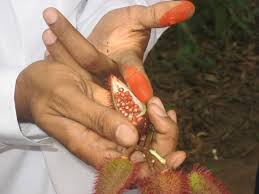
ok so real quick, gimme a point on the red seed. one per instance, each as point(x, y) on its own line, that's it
point(139, 119)
point(136, 106)
point(135, 110)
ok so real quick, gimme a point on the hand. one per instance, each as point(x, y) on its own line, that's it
point(166, 136)
point(165, 139)
point(122, 35)
point(64, 101)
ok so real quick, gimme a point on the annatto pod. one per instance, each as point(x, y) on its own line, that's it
point(202, 181)
point(165, 182)
point(115, 176)
point(128, 104)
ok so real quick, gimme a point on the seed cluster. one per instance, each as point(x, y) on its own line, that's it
point(126, 105)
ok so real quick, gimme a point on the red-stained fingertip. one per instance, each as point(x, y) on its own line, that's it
point(138, 83)
point(179, 13)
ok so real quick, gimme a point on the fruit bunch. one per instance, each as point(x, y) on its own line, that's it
point(119, 174)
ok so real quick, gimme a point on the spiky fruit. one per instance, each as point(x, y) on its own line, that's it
point(202, 181)
point(115, 176)
point(127, 103)
point(165, 182)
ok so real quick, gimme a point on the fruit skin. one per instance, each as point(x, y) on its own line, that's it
point(115, 176)
point(202, 181)
point(165, 182)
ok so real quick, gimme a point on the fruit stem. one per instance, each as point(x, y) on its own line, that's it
point(149, 137)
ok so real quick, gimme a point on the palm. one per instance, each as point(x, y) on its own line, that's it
point(119, 33)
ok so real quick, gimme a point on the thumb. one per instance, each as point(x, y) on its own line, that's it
point(134, 74)
point(166, 14)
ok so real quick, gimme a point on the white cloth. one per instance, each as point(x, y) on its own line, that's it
point(27, 166)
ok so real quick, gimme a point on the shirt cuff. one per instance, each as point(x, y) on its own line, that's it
point(10, 132)
point(96, 9)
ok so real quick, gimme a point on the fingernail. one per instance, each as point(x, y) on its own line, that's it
point(159, 111)
point(49, 37)
point(126, 135)
point(138, 83)
point(50, 15)
point(179, 13)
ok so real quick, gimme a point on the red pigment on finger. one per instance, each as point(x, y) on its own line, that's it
point(138, 83)
point(177, 14)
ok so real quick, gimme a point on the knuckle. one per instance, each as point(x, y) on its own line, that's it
point(170, 128)
point(90, 59)
point(58, 90)
point(173, 130)
point(152, 12)
point(102, 121)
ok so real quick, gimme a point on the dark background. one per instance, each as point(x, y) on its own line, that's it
point(207, 70)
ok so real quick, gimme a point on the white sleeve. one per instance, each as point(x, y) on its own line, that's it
point(10, 131)
point(96, 9)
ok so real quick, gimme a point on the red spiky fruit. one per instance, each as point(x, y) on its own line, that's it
point(202, 181)
point(127, 103)
point(165, 182)
point(115, 176)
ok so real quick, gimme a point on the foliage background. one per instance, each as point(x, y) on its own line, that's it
point(207, 69)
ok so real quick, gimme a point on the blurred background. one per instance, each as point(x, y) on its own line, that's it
point(207, 70)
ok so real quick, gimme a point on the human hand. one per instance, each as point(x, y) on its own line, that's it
point(165, 138)
point(64, 101)
point(122, 35)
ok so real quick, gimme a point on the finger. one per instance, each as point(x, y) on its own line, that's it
point(106, 121)
point(136, 78)
point(84, 143)
point(165, 14)
point(172, 115)
point(175, 159)
point(55, 49)
point(80, 49)
point(165, 140)
point(101, 95)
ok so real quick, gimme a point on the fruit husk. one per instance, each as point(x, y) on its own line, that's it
point(165, 182)
point(115, 176)
point(202, 181)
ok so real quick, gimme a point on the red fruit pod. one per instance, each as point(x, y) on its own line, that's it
point(165, 182)
point(115, 176)
point(202, 181)
point(127, 103)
